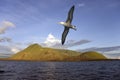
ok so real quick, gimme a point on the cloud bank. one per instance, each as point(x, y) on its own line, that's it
point(53, 42)
point(5, 39)
point(5, 25)
point(102, 49)
point(8, 50)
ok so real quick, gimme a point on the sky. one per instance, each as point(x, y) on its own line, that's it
point(24, 22)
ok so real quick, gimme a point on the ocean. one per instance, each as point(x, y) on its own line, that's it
point(86, 70)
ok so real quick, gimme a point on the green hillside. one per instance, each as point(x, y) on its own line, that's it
point(36, 52)
point(91, 55)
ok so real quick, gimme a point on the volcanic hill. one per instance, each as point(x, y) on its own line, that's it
point(36, 52)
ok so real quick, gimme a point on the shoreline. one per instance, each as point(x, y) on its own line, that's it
point(7, 59)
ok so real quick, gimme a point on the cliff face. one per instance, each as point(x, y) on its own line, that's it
point(36, 52)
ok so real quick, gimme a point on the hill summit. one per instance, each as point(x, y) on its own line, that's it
point(39, 53)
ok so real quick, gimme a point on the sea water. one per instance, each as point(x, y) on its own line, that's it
point(87, 70)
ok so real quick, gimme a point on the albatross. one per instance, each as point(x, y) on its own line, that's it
point(67, 25)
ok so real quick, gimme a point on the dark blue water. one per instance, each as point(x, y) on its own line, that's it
point(91, 70)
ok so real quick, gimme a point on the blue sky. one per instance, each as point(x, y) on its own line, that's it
point(36, 21)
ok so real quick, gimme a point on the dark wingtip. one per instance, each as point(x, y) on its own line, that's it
point(73, 7)
point(62, 43)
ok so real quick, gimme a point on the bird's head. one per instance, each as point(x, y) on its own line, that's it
point(74, 27)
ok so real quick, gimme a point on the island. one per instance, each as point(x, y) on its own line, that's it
point(35, 52)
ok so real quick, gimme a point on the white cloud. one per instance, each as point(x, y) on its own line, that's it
point(5, 25)
point(16, 47)
point(8, 23)
point(15, 50)
point(81, 4)
point(51, 41)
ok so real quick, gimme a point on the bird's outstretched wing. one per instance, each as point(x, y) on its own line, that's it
point(64, 34)
point(70, 15)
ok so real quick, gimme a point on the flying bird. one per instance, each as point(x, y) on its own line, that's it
point(67, 25)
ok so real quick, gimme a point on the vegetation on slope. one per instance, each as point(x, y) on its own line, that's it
point(91, 55)
point(36, 52)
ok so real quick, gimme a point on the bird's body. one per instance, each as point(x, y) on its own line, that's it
point(67, 24)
